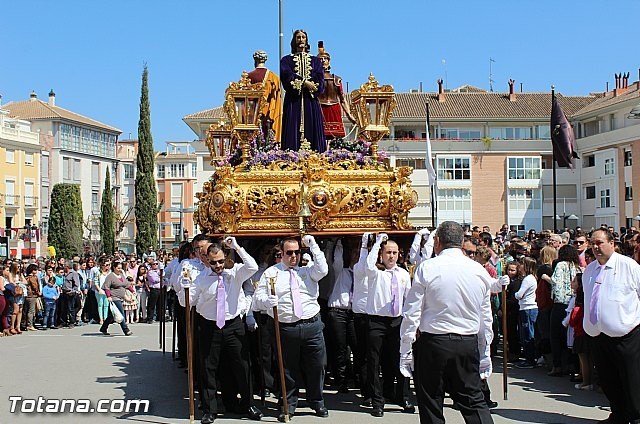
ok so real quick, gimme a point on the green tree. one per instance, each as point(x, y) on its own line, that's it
point(65, 220)
point(146, 210)
point(107, 218)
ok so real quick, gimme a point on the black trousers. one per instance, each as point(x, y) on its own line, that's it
point(558, 335)
point(153, 304)
point(342, 328)
point(616, 360)
point(304, 356)
point(361, 324)
point(213, 341)
point(181, 330)
point(70, 312)
point(454, 359)
point(384, 352)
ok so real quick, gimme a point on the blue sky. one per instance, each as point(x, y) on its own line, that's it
point(92, 52)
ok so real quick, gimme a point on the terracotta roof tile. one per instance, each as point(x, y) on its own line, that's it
point(38, 110)
point(608, 99)
point(213, 113)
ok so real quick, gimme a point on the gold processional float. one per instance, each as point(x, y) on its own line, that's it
point(280, 193)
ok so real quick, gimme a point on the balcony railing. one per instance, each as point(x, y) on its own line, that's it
point(30, 202)
point(1, 199)
point(12, 200)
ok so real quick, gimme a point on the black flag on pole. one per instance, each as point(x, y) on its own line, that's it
point(564, 143)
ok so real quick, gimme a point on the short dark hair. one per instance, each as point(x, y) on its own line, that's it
point(203, 237)
point(186, 250)
point(607, 234)
point(288, 240)
point(486, 238)
point(450, 234)
point(214, 248)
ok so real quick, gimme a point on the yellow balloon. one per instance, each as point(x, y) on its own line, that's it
point(52, 251)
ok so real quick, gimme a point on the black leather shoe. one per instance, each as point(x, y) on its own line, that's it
point(491, 404)
point(366, 402)
point(208, 418)
point(322, 412)
point(377, 412)
point(407, 407)
point(281, 417)
point(254, 413)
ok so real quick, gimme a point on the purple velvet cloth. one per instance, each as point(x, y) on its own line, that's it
point(313, 124)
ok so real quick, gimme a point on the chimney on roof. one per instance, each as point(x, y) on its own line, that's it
point(33, 96)
point(440, 91)
point(52, 98)
point(512, 94)
point(622, 84)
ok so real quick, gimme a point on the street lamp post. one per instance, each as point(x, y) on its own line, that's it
point(183, 231)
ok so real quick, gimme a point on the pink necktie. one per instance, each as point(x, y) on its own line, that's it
point(595, 297)
point(295, 294)
point(220, 305)
point(395, 294)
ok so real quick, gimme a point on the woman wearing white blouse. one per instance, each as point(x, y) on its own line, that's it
point(528, 310)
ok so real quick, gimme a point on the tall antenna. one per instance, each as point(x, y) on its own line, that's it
point(444, 65)
point(491, 62)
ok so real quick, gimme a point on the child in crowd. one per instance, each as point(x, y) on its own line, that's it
point(50, 294)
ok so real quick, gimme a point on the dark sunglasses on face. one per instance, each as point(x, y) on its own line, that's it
point(578, 242)
point(218, 262)
point(292, 252)
point(470, 252)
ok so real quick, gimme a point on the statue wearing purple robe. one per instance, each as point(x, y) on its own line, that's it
point(302, 76)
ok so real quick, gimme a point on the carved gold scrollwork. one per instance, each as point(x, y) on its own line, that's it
point(271, 200)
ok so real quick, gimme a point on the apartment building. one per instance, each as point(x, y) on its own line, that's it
point(20, 217)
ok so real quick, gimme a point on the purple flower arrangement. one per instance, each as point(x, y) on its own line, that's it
point(264, 151)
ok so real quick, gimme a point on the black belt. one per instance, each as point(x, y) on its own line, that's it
point(314, 318)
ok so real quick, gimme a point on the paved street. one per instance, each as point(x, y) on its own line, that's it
point(82, 364)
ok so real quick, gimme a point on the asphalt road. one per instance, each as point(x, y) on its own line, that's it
point(81, 363)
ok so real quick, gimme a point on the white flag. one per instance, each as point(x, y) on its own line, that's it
point(431, 173)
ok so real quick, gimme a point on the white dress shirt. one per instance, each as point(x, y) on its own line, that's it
point(619, 297)
point(204, 294)
point(340, 296)
point(379, 295)
point(308, 278)
point(360, 296)
point(194, 267)
point(169, 270)
point(450, 295)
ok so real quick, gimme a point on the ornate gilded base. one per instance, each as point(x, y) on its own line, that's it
point(342, 197)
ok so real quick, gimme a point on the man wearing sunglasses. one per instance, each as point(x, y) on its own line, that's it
point(581, 244)
point(218, 298)
point(304, 353)
point(388, 286)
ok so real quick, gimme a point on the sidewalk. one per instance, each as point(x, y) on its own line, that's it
point(81, 363)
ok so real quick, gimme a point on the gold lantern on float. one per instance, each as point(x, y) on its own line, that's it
point(373, 105)
point(219, 141)
point(243, 104)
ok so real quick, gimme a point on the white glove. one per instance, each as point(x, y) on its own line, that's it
point(306, 257)
point(486, 367)
point(185, 283)
point(272, 301)
point(252, 325)
point(504, 280)
point(406, 364)
point(424, 232)
point(365, 240)
point(382, 237)
point(231, 243)
point(308, 240)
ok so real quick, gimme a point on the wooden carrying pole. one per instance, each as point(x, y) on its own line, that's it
point(189, 354)
point(283, 385)
point(505, 347)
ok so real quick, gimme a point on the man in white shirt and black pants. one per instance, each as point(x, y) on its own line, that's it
point(388, 286)
point(303, 349)
point(218, 298)
point(448, 303)
point(611, 287)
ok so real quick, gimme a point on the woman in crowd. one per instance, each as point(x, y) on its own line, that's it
point(114, 287)
point(33, 295)
point(19, 293)
point(141, 292)
point(581, 342)
point(513, 311)
point(548, 255)
point(565, 271)
point(4, 306)
point(99, 279)
point(526, 296)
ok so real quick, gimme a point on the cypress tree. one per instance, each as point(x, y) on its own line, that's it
point(146, 210)
point(107, 218)
point(65, 220)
